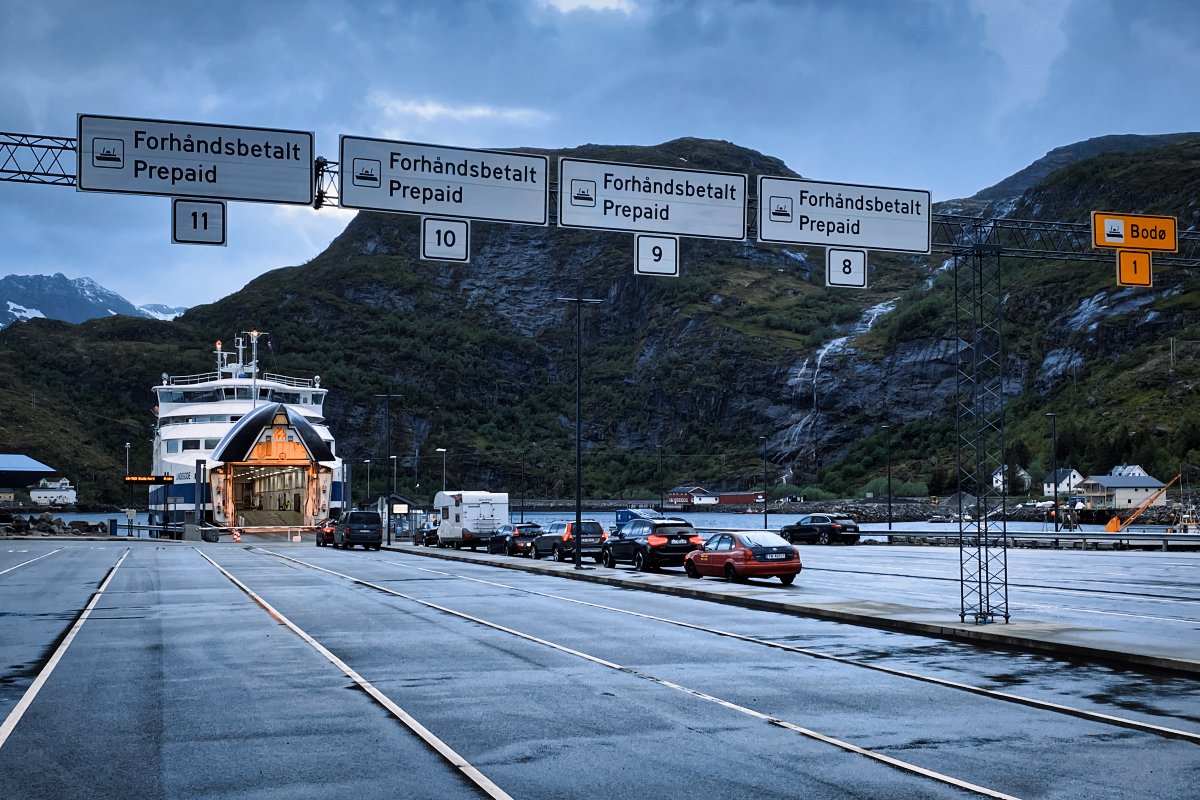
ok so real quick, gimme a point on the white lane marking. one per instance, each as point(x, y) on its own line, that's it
point(30, 561)
point(895, 762)
point(26, 700)
point(448, 753)
point(1093, 716)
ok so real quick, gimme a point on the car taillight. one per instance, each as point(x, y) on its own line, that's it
point(567, 536)
point(836, 527)
point(748, 555)
point(655, 541)
point(466, 536)
point(695, 540)
point(380, 531)
point(604, 536)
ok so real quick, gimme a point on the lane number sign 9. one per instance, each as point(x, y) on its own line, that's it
point(445, 239)
point(656, 255)
point(198, 222)
point(846, 268)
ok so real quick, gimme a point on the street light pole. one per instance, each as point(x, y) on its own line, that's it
point(442, 450)
point(368, 478)
point(764, 460)
point(1054, 460)
point(888, 428)
point(661, 487)
point(522, 486)
point(389, 501)
point(577, 534)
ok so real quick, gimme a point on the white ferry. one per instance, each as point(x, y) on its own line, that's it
point(255, 445)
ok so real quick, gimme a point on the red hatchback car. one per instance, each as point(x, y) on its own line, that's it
point(738, 555)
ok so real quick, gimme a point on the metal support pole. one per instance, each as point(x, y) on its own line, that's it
point(888, 428)
point(764, 460)
point(442, 450)
point(661, 487)
point(577, 534)
point(1054, 461)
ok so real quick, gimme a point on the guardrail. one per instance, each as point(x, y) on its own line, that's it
point(1079, 540)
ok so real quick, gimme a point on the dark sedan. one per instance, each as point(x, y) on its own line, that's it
point(514, 539)
point(649, 544)
point(324, 531)
point(821, 529)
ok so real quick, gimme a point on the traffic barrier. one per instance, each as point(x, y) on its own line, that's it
point(237, 536)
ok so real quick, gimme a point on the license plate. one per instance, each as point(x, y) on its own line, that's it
point(679, 541)
point(589, 541)
point(776, 555)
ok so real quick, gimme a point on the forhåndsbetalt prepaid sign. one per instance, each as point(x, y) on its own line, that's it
point(441, 181)
point(604, 195)
point(794, 211)
point(189, 159)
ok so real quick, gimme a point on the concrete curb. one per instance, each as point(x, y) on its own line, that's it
point(1027, 636)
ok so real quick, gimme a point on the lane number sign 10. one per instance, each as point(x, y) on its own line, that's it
point(846, 268)
point(198, 221)
point(445, 239)
point(656, 255)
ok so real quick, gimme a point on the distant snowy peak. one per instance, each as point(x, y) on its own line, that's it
point(23, 297)
point(159, 311)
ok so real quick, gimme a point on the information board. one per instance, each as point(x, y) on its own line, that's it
point(189, 159)
point(656, 255)
point(434, 180)
point(198, 222)
point(794, 211)
point(604, 195)
point(445, 239)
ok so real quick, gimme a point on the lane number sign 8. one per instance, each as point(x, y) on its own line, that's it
point(656, 255)
point(198, 222)
point(445, 239)
point(846, 268)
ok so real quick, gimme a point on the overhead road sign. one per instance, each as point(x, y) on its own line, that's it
point(189, 159)
point(796, 211)
point(1133, 268)
point(656, 255)
point(428, 179)
point(1134, 231)
point(198, 221)
point(603, 195)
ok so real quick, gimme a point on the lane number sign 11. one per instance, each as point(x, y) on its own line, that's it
point(198, 222)
point(846, 268)
point(656, 255)
point(445, 239)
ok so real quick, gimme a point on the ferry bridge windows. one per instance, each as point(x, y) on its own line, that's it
point(191, 444)
point(172, 445)
point(211, 444)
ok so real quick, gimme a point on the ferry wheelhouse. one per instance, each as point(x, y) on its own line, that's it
point(245, 449)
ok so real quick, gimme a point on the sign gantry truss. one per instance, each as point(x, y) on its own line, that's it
point(37, 159)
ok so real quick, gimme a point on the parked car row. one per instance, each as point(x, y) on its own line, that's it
point(650, 544)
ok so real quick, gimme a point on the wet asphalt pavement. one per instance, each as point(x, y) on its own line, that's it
point(180, 685)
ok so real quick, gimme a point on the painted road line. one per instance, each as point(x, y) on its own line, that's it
point(15, 715)
point(871, 754)
point(460, 763)
point(30, 561)
point(1092, 716)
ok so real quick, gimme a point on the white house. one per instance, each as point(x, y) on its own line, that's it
point(53, 493)
point(1066, 480)
point(1128, 471)
point(1000, 477)
point(1110, 491)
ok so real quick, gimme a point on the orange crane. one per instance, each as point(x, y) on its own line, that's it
point(1116, 526)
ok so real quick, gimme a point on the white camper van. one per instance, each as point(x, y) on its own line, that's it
point(468, 519)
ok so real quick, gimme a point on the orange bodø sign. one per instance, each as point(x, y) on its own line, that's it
point(1134, 231)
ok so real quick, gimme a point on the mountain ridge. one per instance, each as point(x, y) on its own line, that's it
point(56, 296)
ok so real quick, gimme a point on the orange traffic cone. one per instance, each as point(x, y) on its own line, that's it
point(237, 537)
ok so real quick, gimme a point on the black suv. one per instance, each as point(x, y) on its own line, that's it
point(559, 540)
point(821, 529)
point(652, 543)
point(514, 538)
point(359, 527)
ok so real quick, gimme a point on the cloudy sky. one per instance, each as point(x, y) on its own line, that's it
point(949, 96)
